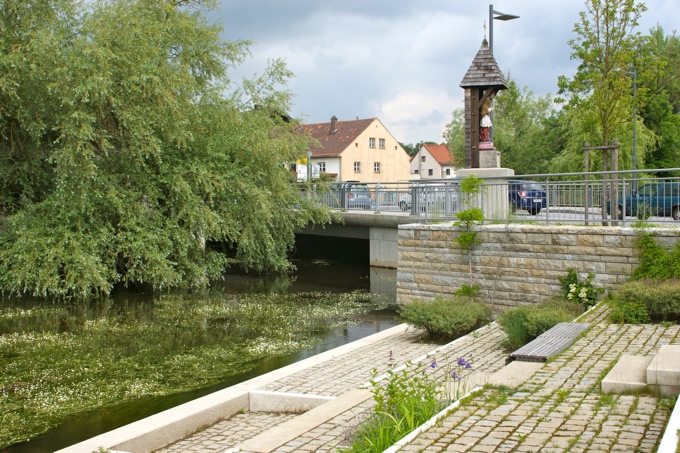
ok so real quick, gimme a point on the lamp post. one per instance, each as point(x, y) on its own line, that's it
point(495, 15)
point(634, 129)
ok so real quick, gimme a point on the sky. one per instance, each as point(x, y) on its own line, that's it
point(402, 61)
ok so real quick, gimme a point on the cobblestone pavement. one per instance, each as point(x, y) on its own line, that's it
point(559, 409)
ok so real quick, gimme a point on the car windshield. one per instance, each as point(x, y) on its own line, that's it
point(647, 189)
point(532, 186)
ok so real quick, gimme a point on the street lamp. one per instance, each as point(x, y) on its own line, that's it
point(497, 15)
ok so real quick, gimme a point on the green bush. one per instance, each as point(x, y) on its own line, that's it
point(446, 319)
point(660, 298)
point(627, 312)
point(523, 324)
point(656, 262)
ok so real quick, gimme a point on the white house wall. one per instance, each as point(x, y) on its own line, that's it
point(394, 160)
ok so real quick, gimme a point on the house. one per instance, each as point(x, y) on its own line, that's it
point(357, 150)
point(433, 162)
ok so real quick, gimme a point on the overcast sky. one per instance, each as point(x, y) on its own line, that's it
point(402, 61)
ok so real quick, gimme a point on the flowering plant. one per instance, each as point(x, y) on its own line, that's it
point(584, 292)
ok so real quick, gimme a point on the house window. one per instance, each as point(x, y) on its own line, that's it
point(322, 167)
point(381, 143)
point(422, 158)
point(448, 172)
point(357, 167)
point(416, 171)
point(430, 172)
point(376, 167)
point(371, 143)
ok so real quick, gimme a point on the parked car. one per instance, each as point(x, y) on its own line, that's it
point(431, 197)
point(660, 198)
point(351, 195)
point(528, 195)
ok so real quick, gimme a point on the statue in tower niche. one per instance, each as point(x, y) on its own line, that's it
point(482, 81)
point(485, 122)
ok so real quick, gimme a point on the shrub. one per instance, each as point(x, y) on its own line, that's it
point(584, 292)
point(656, 262)
point(627, 312)
point(523, 324)
point(446, 319)
point(660, 298)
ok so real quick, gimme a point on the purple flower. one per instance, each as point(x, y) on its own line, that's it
point(461, 361)
point(455, 376)
point(433, 364)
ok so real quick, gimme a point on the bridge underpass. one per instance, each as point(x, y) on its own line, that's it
point(380, 229)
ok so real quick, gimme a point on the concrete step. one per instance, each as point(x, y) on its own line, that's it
point(629, 375)
point(289, 430)
point(658, 375)
point(664, 370)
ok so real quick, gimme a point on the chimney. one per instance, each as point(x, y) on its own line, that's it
point(334, 124)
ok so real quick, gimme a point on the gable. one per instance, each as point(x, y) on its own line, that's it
point(332, 143)
point(440, 153)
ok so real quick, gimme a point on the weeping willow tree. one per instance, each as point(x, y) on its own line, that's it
point(127, 152)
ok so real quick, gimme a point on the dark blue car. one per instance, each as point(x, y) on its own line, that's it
point(527, 195)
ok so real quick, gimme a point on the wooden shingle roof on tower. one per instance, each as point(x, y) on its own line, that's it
point(484, 71)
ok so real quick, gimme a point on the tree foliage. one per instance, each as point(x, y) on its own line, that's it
point(519, 130)
point(600, 94)
point(658, 65)
point(124, 161)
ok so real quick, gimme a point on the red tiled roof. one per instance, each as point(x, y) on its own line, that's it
point(440, 153)
point(333, 144)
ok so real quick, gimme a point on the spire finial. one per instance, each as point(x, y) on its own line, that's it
point(485, 43)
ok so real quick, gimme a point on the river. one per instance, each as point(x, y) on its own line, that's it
point(313, 274)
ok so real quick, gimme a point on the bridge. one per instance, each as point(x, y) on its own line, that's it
point(380, 229)
point(374, 211)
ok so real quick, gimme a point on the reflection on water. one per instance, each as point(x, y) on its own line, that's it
point(312, 275)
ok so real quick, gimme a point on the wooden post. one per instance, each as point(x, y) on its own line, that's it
point(587, 188)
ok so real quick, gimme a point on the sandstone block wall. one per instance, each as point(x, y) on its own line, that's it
point(515, 264)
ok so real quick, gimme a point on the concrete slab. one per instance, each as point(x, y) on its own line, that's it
point(515, 373)
point(629, 375)
point(290, 403)
point(287, 431)
point(664, 369)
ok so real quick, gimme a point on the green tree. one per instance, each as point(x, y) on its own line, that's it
point(123, 159)
point(600, 95)
point(658, 65)
point(454, 135)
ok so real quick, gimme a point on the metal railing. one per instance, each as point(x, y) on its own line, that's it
point(607, 198)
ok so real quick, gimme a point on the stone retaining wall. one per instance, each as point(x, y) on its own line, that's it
point(515, 264)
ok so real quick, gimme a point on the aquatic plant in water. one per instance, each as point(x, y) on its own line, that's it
point(57, 361)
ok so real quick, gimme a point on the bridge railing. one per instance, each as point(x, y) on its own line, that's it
point(609, 198)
